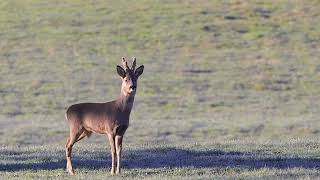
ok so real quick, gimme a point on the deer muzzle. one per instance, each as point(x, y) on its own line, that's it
point(133, 87)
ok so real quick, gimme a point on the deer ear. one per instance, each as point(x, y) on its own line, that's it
point(121, 71)
point(139, 71)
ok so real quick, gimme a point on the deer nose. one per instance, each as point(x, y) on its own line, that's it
point(133, 87)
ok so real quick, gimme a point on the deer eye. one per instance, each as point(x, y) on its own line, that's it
point(126, 80)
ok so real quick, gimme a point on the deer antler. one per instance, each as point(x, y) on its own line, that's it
point(134, 64)
point(125, 63)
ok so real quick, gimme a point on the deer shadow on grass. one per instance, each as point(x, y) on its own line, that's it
point(153, 158)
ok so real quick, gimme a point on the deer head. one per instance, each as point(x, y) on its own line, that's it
point(129, 77)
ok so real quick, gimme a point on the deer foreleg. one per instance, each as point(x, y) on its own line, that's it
point(113, 153)
point(119, 152)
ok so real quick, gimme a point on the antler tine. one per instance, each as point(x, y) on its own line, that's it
point(125, 63)
point(134, 63)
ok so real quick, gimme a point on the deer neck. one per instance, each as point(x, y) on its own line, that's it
point(125, 102)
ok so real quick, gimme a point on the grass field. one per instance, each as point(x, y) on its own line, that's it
point(231, 89)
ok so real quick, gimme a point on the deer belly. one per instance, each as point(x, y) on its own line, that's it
point(95, 125)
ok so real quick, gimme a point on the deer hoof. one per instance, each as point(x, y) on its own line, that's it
point(71, 171)
point(113, 172)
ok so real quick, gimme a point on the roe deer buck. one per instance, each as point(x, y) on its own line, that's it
point(110, 118)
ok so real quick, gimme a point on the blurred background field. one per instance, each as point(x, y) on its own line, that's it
point(220, 76)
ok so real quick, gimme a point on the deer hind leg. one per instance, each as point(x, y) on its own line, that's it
point(74, 137)
point(113, 152)
point(84, 134)
point(119, 152)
